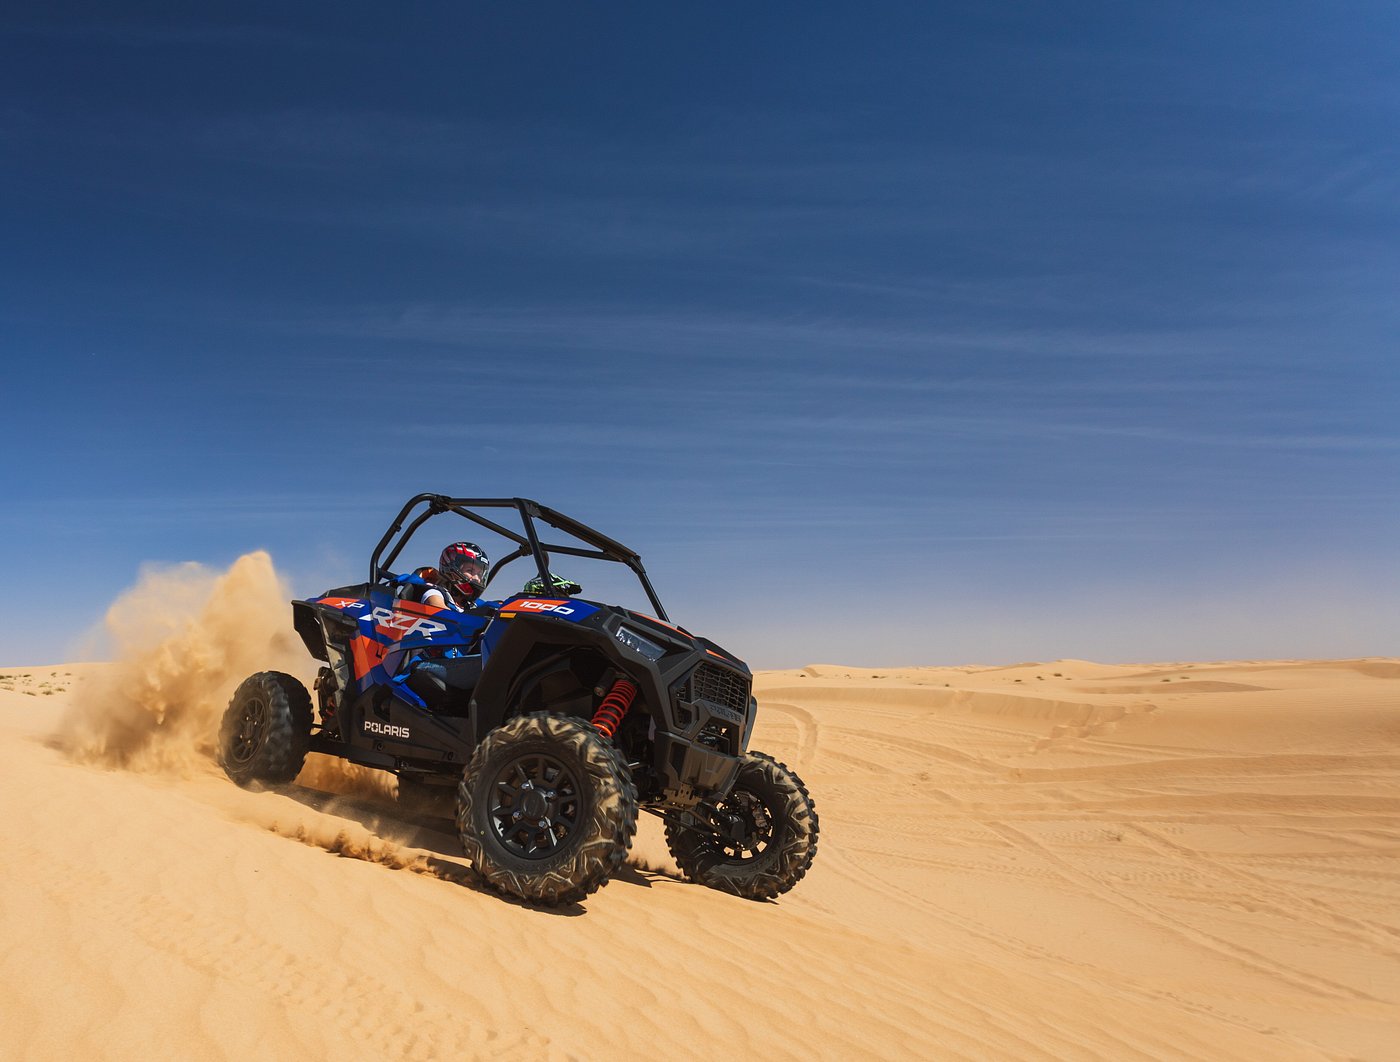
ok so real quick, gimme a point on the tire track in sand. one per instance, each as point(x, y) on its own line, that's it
point(1250, 959)
point(1054, 966)
point(804, 722)
point(1270, 896)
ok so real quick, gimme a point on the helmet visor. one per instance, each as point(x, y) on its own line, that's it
point(465, 569)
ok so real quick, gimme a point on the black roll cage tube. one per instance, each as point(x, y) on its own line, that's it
point(528, 544)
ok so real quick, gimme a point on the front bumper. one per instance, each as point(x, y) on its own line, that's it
point(690, 773)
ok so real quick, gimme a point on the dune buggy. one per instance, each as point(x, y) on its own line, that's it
point(547, 719)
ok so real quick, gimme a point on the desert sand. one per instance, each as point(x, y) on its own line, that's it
point(1059, 860)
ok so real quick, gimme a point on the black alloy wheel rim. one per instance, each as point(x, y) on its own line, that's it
point(758, 822)
point(535, 806)
point(252, 731)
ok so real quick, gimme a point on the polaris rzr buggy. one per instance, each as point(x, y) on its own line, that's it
point(552, 718)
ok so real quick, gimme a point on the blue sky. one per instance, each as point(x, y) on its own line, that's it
point(888, 334)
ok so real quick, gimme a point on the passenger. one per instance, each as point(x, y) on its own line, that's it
point(557, 585)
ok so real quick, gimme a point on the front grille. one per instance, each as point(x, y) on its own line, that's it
point(720, 686)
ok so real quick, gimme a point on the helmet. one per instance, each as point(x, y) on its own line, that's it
point(463, 567)
point(557, 585)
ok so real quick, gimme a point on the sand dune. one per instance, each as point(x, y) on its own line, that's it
point(1047, 860)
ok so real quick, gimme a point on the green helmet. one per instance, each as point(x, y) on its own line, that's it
point(557, 585)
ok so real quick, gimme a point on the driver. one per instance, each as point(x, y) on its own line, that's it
point(462, 570)
point(442, 677)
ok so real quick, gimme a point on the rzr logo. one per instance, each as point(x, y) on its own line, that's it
point(534, 605)
point(404, 623)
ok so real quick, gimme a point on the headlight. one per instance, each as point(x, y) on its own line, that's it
point(638, 644)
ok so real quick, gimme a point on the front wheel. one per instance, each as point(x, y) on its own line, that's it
point(547, 809)
point(764, 837)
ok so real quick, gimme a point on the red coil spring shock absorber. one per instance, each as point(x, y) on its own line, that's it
point(609, 715)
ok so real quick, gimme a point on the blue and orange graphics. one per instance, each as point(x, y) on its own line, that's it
point(389, 629)
point(570, 609)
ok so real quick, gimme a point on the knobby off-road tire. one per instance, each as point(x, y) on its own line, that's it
point(266, 730)
point(547, 809)
point(778, 852)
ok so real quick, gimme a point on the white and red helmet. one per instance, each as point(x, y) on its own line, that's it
point(464, 566)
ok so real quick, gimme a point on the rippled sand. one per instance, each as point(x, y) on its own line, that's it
point(1048, 860)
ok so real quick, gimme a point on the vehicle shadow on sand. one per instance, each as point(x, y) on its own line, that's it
point(436, 836)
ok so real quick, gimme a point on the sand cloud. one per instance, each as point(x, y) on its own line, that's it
point(185, 637)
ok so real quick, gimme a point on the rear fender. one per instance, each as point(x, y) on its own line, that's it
point(308, 624)
point(311, 619)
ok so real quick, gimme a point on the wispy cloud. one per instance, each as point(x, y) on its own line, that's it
point(630, 330)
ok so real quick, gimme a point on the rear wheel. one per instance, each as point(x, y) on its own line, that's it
point(266, 730)
point(547, 809)
point(765, 834)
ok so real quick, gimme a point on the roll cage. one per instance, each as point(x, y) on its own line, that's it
point(528, 544)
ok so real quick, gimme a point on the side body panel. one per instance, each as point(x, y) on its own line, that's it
point(369, 638)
